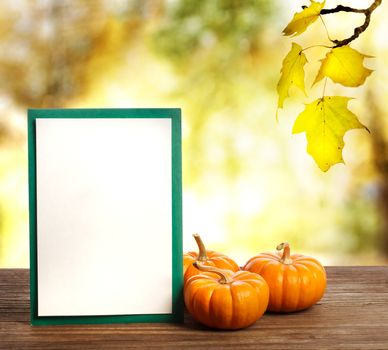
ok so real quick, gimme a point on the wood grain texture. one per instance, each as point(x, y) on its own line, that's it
point(352, 315)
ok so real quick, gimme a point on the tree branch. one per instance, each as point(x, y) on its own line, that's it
point(341, 8)
point(357, 31)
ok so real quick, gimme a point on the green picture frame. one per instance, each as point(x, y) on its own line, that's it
point(174, 114)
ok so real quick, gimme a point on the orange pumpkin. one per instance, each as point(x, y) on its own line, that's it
point(225, 299)
point(206, 257)
point(295, 282)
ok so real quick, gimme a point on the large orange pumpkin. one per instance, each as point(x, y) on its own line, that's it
point(206, 257)
point(295, 282)
point(225, 299)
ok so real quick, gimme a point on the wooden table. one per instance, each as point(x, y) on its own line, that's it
point(352, 315)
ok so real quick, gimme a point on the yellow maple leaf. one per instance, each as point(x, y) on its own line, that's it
point(292, 73)
point(303, 19)
point(325, 122)
point(344, 65)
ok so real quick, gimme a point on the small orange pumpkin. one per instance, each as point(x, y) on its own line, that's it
point(225, 299)
point(206, 257)
point(295, 282)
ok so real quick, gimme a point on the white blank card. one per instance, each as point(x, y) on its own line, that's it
point(103, 211)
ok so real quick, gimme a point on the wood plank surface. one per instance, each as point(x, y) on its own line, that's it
point(352, 315)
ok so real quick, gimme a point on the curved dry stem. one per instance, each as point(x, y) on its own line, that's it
point(225, 278)
point(202, 255)
point(285, 259)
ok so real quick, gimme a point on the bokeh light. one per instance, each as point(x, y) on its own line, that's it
point(248, 182)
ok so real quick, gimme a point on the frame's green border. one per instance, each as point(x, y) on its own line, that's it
point(177, 268)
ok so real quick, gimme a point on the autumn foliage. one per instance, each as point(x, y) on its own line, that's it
point(327, 119)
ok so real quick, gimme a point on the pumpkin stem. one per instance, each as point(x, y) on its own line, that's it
point(225, 278)
point(202, 256)
point(285, 259)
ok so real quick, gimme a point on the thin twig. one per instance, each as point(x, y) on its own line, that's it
point(341, 8)
point(327, 31)
point(324, 88)
point(309, 47)
point(357, 31)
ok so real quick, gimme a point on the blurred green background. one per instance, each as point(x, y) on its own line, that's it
point(248, 183)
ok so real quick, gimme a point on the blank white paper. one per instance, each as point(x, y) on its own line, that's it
point(104, 217)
